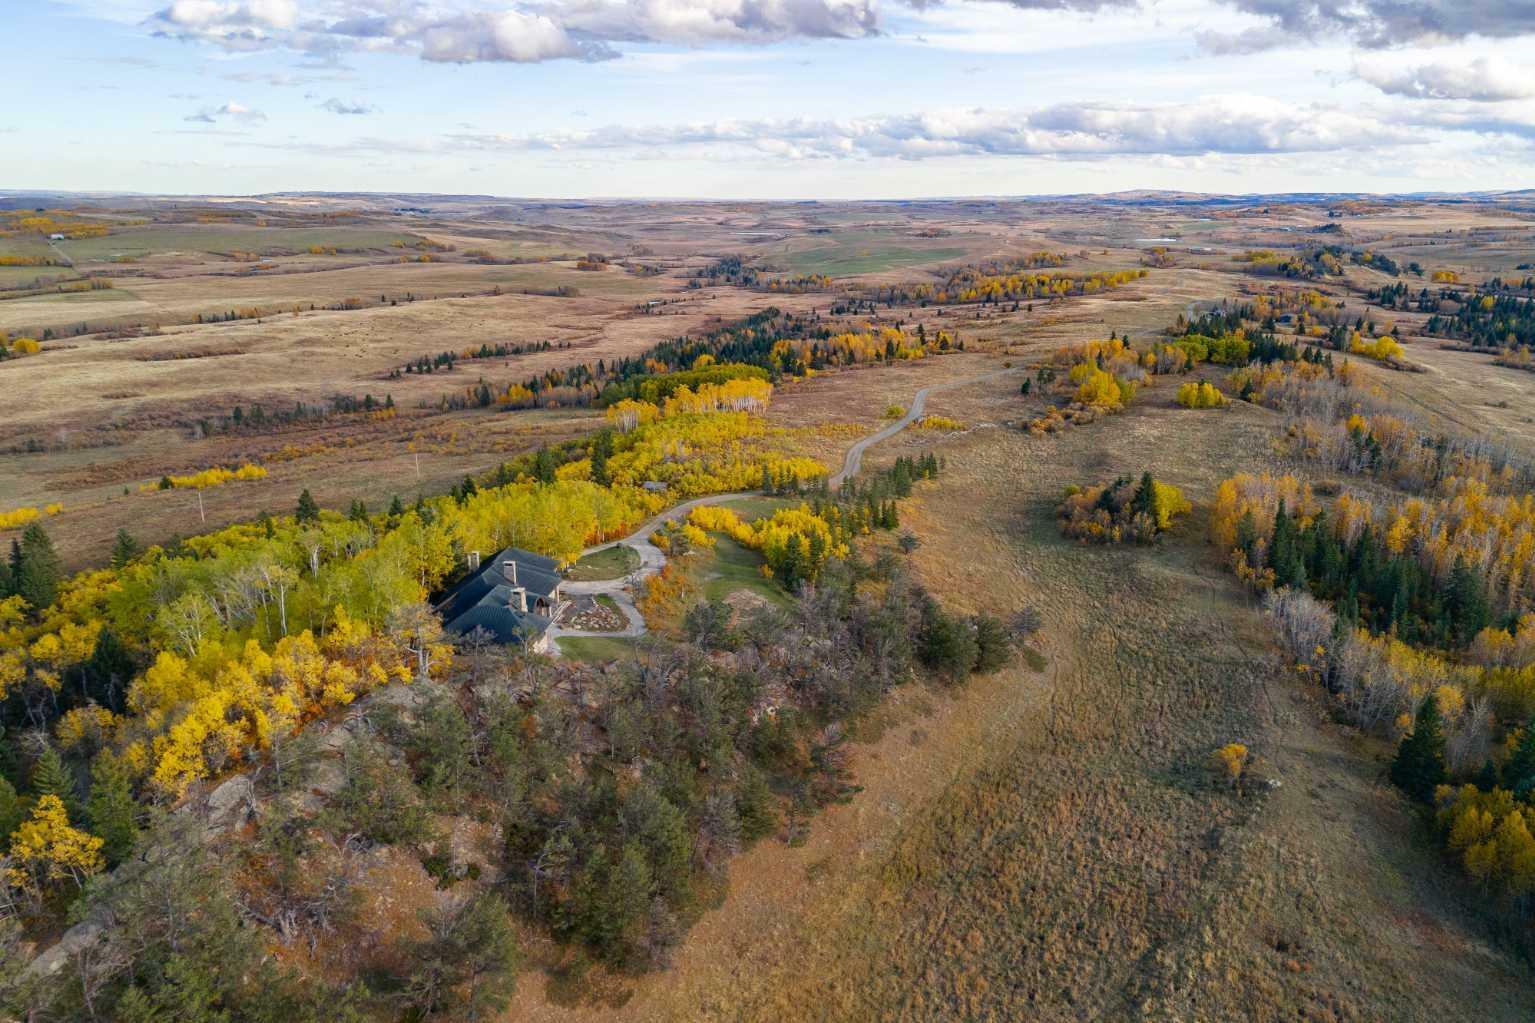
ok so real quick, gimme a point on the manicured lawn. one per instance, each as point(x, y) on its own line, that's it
point(595, 648)
point(610, 563)
point(733, 568)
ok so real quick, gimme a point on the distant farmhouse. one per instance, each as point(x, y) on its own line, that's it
point(514, 596)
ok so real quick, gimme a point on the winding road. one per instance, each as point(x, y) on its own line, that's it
point(653, 559)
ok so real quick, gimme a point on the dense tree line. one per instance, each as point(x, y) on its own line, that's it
point(1488, 320)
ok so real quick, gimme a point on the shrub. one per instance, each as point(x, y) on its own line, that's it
point(1230, 761)
point(1118, 511)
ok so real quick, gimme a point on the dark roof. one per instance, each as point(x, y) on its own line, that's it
point(523, 557)
point(501, 621)
point(484, 598)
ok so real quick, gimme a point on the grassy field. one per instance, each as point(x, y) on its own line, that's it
point(155, 239)
point(750, 508)
point(595, 648)
point(1046, 844)
point(609, 563)
point(849, 253)
point(1052, 844)
point(731, 569)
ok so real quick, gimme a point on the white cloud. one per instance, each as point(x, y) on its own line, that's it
point(508, 36)
point(490, 30)
point(1372, 23)
point(230, 111)
point(1483, 80)
point(1230, 125)
point(354, 108)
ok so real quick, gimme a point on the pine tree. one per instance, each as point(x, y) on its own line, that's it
point(125, 548)
point(12, 812)
point(308, 511)
point(396, 509)
point(1247, 534)
point(38, 579)
point(1145, 502)
point(544, 465)
point(1466, 600)
point(1419, 764)
point(600, 467)
point(50, 777)
point(111, 810)
point(1519, 771)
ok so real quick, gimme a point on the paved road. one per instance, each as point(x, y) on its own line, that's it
point(653, 559)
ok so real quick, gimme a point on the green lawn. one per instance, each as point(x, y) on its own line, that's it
point(611, 563)
point(609, 603)
point(732, 568)
point(595, 648)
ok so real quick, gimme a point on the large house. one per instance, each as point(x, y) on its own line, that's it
point(514, 596)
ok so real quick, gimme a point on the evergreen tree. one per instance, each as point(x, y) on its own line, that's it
point(544, 464)
point(622, 903)
point(1247, 534)
point(51, 777)
point(993, 645)
point(1285, 556)
point(37, 579)
point(1419, 764)
point(466, 968)
point(125, 548)
point(308, 511)
point(12, 812)
point(110, 810)
point(946, 644)
point(358, 512)
point(1145, 501)
point(756, 805)
point(108, 671)
point(792, 570)
point(13, 569)
point(1466, 601)
point(600, 474)
point(1519, 771)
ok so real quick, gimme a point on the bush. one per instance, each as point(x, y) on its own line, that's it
point(1118, 511)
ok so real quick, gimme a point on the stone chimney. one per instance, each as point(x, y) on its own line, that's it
point(473, 560)
point(522, 600)
point(509, 569)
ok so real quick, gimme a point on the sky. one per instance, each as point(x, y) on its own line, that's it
point(769, 99)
